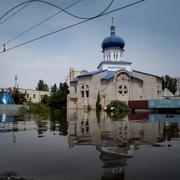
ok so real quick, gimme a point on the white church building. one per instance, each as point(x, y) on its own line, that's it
point(114, 79)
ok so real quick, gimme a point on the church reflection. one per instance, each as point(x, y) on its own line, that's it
point(117, 140)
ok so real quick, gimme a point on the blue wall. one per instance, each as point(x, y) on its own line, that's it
point(164, 103)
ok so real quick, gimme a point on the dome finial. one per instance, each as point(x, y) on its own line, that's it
point(113, 27)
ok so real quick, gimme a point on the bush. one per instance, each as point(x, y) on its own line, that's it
point(117, 106)
point(117, 109)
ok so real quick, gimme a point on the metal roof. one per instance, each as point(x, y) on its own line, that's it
point(110, 75)
point(91, 73)
point(134, 71)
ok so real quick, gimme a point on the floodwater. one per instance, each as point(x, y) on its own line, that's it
point(90, 146)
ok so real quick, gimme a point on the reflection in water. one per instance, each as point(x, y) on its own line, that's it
point(11, 175)
point(42, 127)
point(56, 122)
point(117, 140)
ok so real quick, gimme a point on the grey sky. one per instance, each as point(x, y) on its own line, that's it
point(151, 31)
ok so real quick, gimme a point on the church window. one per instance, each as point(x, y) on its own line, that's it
point(114, 55)
point(87, 94)
point(109, 56)
point(85, 90)
point(75, 89)
point(123, 90)
point(34, 96)
point(87, 129)
point(82, 94)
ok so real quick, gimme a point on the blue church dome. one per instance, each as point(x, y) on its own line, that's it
point(6, 98)
point(113, 40)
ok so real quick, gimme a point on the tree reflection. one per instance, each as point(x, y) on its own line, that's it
point(42, 127)
point(58, 122)
point(171, 130)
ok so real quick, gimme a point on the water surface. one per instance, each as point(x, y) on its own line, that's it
point(91, 146)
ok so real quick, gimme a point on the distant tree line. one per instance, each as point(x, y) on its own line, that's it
point(58, 98)
point(42, 86)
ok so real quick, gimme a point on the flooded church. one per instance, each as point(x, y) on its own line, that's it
point(114, 79)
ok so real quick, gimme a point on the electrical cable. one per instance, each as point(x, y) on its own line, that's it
point(58, 7)
point(39, 23)
point(62, 9)
point(73, 25)
point(15, 13)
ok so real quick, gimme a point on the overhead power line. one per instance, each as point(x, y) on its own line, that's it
point(58, 7)
point(51, 4)
point(9, 17)
point(73, 25)
point(39, 23)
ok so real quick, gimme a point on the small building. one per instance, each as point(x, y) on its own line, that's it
point(114, 79)
point(34, 95)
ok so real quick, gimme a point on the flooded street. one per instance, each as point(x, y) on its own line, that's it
point(90, 146)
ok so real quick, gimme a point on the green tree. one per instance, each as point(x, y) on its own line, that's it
point(41, 86)
point(98, 105)
point(170, 83)
point(19, 98)
point(45, 100)
point(58, 100)
point(54, 88)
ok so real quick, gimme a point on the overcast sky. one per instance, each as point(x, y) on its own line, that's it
point(151, 31)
